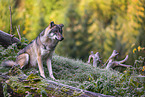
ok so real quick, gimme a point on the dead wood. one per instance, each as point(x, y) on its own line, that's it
point(113, 55)
point(7, 39)
point(110, 63)
point(18, 30)
point(96, 59)
point(33, 84)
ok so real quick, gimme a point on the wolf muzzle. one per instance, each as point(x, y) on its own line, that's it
point(60, 39)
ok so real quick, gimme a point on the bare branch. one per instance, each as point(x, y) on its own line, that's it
point(113, 55)
point(124, 59)
point(109, 65)
point(96, 59)
point(110, 62)
point(119, 64)
point(18, 30)
point(11, 28)
point(91, 56)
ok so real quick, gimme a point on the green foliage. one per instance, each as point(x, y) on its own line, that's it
point(140, 40)
point(81, 75)
point(5, 14)
point(5, 93)
point(139, 65)
point(77, 39)
point(8, 54)
point(122, 85)
point(141, 21)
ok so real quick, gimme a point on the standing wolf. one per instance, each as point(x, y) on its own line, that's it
point(40, 49)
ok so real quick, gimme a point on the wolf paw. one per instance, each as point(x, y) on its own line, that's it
point(53, 77)
point(43, 75)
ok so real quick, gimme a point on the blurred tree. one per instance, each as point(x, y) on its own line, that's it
point(71, 29)
point(114, 30)
point(83, 42)
point(140, 38)
point(36, 15)
point(141, 21)
point(5, 15)
point(115, 41)
point(77, 43)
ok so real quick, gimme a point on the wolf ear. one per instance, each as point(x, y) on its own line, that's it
point(61, 25)
point(51, 24)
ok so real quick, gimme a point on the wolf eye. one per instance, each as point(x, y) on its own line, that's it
point(57, 31)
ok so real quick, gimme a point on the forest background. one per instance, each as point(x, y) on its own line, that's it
point(90, 25)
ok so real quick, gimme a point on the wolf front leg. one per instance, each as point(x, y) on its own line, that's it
point(49, 66)
point(40, 65)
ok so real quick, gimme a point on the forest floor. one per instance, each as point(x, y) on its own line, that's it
point(74, 78)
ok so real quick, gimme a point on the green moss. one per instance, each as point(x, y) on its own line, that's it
point(17, 86)
point(64, 89)
point(76, 93)
point(32, 76)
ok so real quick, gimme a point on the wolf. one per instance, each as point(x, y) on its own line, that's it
point(40, 49)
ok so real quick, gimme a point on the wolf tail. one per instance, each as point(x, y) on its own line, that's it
point(9, 63)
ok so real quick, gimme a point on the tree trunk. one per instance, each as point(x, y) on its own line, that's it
point(15, 83)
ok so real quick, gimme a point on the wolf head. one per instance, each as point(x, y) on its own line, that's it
point(54, 31)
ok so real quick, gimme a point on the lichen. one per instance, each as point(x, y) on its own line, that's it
point(76, 93)
point(32, 77)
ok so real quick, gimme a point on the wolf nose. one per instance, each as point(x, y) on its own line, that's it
point(61, 39)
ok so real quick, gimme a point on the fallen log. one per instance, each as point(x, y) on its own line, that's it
point(7, 39)
point(16, 83)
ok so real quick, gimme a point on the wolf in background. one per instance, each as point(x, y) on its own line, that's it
point(40, 49)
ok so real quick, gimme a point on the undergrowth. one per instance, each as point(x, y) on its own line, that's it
point(78, 74)
point(81, 75)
